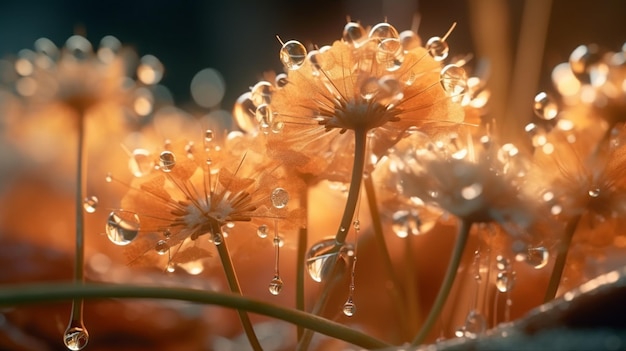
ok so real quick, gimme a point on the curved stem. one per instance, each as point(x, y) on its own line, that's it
point(233, 283)
point(399, 303)
point(38, 293)
point(561, 257)
point(300, 264)
point(446, 285)
point(360, 143)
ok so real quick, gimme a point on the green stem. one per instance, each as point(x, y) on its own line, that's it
point(399, 303)
point(561, 257)
point(233, 283)
point(360, 143)
point(52, 292)
point(446, 285)
point(300, 264)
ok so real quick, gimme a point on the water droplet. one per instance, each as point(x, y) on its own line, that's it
point(90, 203)
point(353, 33)
point(281, 80)
point(321, 258)
point(109, 177)
point(48, 53)
point(162, 247)
point(262, 231)
point(410, 40)
point(79, 47)
point(122, 227)
point(383, 31)
point(293, 54)
point(357, 225)
point(279, 197)
point(472, 191)
point(544, 107)
point(502, 263)
point(167, 161)
point(586, 62)
point(108, 49)
point(218, 239)
point(454, 81)
point(171, 267)
point(243, 113)
point(276, 285)
point(459, 332)
point(475, 324)
point(76, 337)
point(437, 48)
point(537, 257)
point(261, 93)
point(150, 70)
point(390, 91)
point(595, 192)
point(277, 126)
point(405, 222)
point(369, 88)
point(505, 281)
point(390, 54)
point(208, 135)
point(349, 308)
point(264, 116)
point(140, 163)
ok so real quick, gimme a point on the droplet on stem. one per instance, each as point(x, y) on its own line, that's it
point(261, 93)
point(437, 48)
point(279, 198)
point(122, 227)
point(544, 107)
point(90, 204)
point(383, 31)
point(167, 161)
point(349, 308)
point(353, 33)
point(321, 258)
point(76, 336)
point(276, 285)
point(505, 281)
point(262, 231)
point(537, 257)
point(140, 163)
point(292, 54)
point(454, 81)
point(162, 247)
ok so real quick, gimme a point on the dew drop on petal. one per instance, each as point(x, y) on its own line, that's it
point(276, 285)
point(292, 54)
point(454, 81)
point(586, 64)
point(353, 33)
point(505, 281)
point(544, 107)
point(76, 337)
point(167, 161)
point(370, 88)
point(262, 231)
point(162, 247)
point(244, 113)
point(437, 48)
point(390, 54)
point(349, 308)
point(502, 263)
point(79, 47)
point(140, 163)
point(537, 257)
point(264, 116)
point(281, 80)
point(279, 198)
point(90, 203)
point(150, 70)
point(261, 93)
point(320, 259)
point(383, 31)
point(122, 227)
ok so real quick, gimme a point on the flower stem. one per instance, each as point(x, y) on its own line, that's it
point(233, 283)
point(399, 303)
point(360, 143)
point(561, 257)
point(51, 292)
point(446, 285)
point(300, 264)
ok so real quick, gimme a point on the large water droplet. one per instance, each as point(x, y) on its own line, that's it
point(167, 161)
point(243, 113)
point(162, 247)
point(76, 337)
point(405, 222)
point(353, 33)
point(276, 285)
point(475, 324)
point(505, 281)
point(90, 203)
point(454, 81)
point(150, 70)
point(261, 93)
point(383, 31)
point(141, 162)
point(537, 257)
point(321, 258)
point(279, 197)
point(349, 308)
point(437, 48)
point(262, 231)
point(390, 54)
point(544, 107)
point(122, 227)
point(292, 54)
point(281, 80)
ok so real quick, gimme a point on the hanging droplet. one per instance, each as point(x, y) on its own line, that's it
point(383, 31)
point(276, 285)
point(261, 93)
point(437, 48)
point(505, 281)
point(405, 222)
point(349, 308)
point(537, 257)
point(140, 163)
point(353, 33)
point(162, 247)
point(122, 227)
point(454, 81)
point(544, 107)
point(150, 70)
point(79, 47)
point(321, 258)
point(264, 116)
point(280, 198)
point(292, 54)
point(262, 231)
point(90, 203)
point(108, 49)
point(167, 161)
point(75, 337)
point(475, 324)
